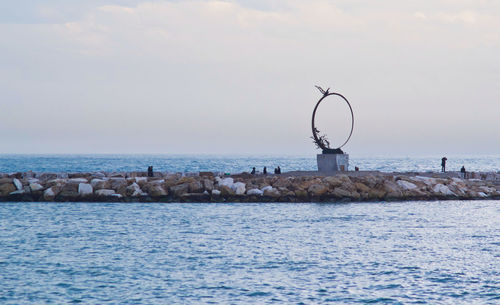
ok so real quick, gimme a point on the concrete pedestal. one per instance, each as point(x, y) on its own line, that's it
point(333, 162)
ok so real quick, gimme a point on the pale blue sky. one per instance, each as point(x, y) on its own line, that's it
point(238, 76)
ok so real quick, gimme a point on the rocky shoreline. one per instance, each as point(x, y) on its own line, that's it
point(214, 187)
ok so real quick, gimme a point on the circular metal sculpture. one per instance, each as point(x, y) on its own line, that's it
point(320, 140)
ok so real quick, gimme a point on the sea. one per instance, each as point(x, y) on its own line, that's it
point(427, 252)
point(233, 163)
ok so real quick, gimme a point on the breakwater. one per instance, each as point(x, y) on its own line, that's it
point(213, 187)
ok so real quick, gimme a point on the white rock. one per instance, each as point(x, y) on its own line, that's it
point(443, 189)
point(255, 192)
point(33, 180)
point(85, 189)
point(227, 182)
point(17, 192)
point(481, 194)
point(18, 184)
point(49, 194)
point(429, 181)
point(406, 185)
point(35, 187)
point(105, 192)
point(266, 188)
point(139, 179)
point(215, 192)
point(135, 189)
point(238, 188)
point(77, 180)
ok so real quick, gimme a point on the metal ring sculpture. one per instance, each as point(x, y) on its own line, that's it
point(320, 140)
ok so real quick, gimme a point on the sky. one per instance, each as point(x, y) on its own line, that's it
point(237, 77)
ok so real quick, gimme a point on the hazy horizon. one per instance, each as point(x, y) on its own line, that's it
point(237, 77)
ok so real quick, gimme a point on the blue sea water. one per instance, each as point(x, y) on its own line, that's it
point(383, 253)
point(231, 164)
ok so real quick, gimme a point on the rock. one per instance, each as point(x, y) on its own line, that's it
point(208, 184)
point(5, 180)
point(77, 180)
point(266, 188)
point(255, 192)
point(69, 191)
point(238, 188)
point(332, 181)
point(317, 190)
point(207, 174)
point(105, 192)
point(341, 193)
point(17, 183)
point(99, 184)
point(406, 185)
point(35, 187)
point(392, 190)
point(178, 190)
point(156, 190)
point(442, 189)
point(18, 192)
point(226, 190)
point(85, 189)
point(227, 182)
point(360, 187)
point(7, 188)
point(216, 193)
point(274, 193)
point(134, 190)
point(301, 195)
point(195, 187)
point(49, 194)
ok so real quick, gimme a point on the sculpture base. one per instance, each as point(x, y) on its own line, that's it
point(332, 162)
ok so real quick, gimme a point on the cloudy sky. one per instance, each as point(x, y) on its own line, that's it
point(110, 76)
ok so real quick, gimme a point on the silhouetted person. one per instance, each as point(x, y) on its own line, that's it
point(356, 169)
point(443, 164)
point(253, 171)
point(264, 171)
point(150, 171)
point(279, 170)
point(462, 170)
point(275, 171)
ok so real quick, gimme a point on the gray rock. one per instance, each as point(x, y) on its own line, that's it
point(85, 189)
point(17, 184)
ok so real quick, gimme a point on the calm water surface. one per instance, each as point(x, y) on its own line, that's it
point(413, 252)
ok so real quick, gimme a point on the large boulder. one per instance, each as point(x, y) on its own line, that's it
point(7, 188)
point(317, 190)
point(255, 192)
point(85, 189)
point(49, 194)
point(134, 190)
point(18, 184)
point(238, 188)
point(179, 190)
point(208, 185)
point(105, 193)
point(272, 192)
point(35, 187)
point(195, 187)
point(99, 184)
point(69, 191)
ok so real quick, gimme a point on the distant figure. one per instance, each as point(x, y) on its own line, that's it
point(462, 170)
point(443, 164)
point(264, 171)
point(279, 171)
point(275, 171)
point(150, 171)
point(356, 169)
point(253, 171)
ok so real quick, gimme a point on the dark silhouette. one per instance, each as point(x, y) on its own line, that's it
point(264, 171)
point(279, 171)
point(443, 164)
point(462, 170)
point(356, 168)
point(150, 171)
point(275, 171)
point(253, 171)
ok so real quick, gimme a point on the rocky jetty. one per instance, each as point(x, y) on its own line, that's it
point(211, 187)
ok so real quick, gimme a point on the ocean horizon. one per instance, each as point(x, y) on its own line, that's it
point(235, 163)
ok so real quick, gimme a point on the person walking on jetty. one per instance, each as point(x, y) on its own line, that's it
point(253, 171)
point(443, 164)
point(462, 170)
point(265, 171)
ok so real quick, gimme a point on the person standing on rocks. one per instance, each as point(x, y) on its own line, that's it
point(265, 171)
point(462, 170)
point(443, 164)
